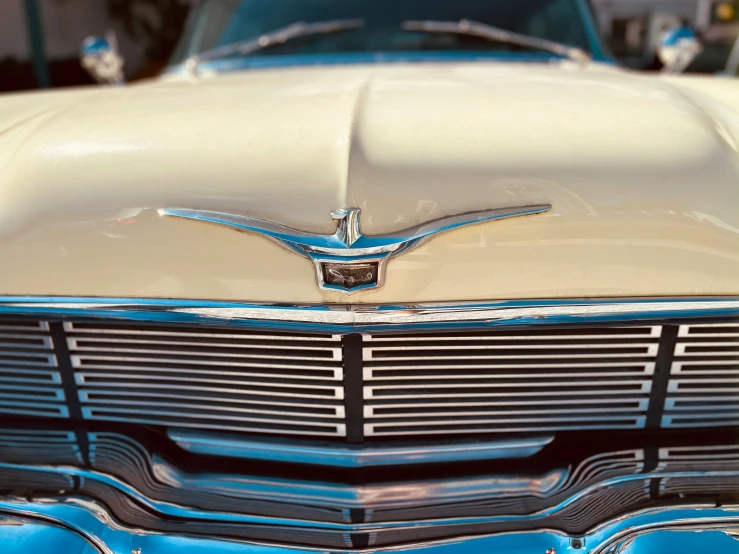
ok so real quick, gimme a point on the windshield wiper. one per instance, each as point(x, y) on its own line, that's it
point(278, 36)
point(474, 28)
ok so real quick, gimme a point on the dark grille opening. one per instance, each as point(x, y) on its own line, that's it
point(497, 352)
point(206, 351)
point(204, 421)
point(242, 365)
point(161, 399)
point(530, 407)
point(24, 358)
point(178, 383)
point(494, 371)
point(513, 389)
point(204, 329)
point(519, 423)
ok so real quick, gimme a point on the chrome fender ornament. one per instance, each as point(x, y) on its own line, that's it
point(349, 261)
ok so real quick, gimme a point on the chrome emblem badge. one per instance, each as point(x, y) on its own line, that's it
point(349, 261)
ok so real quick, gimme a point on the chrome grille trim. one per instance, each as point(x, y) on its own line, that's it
point(30, 384)
point(92, 328)
point(23, 325)
point(595, 370)
point(638, 405)
point(48, 447)
point(346, 456)
point(124, 473)
point(646, 350)
point(373, 318)
point(544, 362)
point(709, 330)
point(196, 377)
point(585, 378)
point(704, 378)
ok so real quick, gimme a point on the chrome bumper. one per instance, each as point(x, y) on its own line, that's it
point(84, 526)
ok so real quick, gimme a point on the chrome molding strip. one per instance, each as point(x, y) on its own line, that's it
point(170, 510)
point(373, 318)
point(353, 457)
point(91, 521)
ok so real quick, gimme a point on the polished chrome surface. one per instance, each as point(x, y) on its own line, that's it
point(142, 488)
point(118, 459)
point(500, 35)
point(678, 48)
point(713, 527)
point(101, 58)
point(22, 534)
point(209, 378)
point(681, 541)
point(40, 446)
point(348, 245)
point(532, 366)
point(30, 383)
point(337, 318)
point(278, 36)
point(704, 384)
point(123, 472)
point(597, 378)
point(355, 456)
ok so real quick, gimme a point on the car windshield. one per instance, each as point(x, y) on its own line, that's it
point(217, 23)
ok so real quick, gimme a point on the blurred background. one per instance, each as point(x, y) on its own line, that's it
point(40, 39)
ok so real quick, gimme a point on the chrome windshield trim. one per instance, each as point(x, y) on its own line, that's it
point(278, 36)
point(92, 521)
point(342, 318)
point(215, 444)
point(490, 32)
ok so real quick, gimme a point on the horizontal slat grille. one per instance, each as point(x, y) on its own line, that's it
point(704, 378)
point(39, 447)
point(30, 383)
point(498, 380)
point(209, 378)
point(595, 378)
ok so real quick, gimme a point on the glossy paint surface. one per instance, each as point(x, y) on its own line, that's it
point(642, 174)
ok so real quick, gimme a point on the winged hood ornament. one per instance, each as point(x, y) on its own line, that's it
point(349, 261)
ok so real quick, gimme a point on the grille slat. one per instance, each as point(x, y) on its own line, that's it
point(30, 384)
point(704, 387)
point(558, 379)
point(203, 378)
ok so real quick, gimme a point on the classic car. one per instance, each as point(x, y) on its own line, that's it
point(373, 275)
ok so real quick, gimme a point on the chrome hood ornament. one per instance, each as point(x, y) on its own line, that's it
point(349, 261)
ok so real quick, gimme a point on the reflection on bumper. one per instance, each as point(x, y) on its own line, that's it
point(84, 527)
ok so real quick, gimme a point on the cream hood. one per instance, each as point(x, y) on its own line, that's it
point(642, 174)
